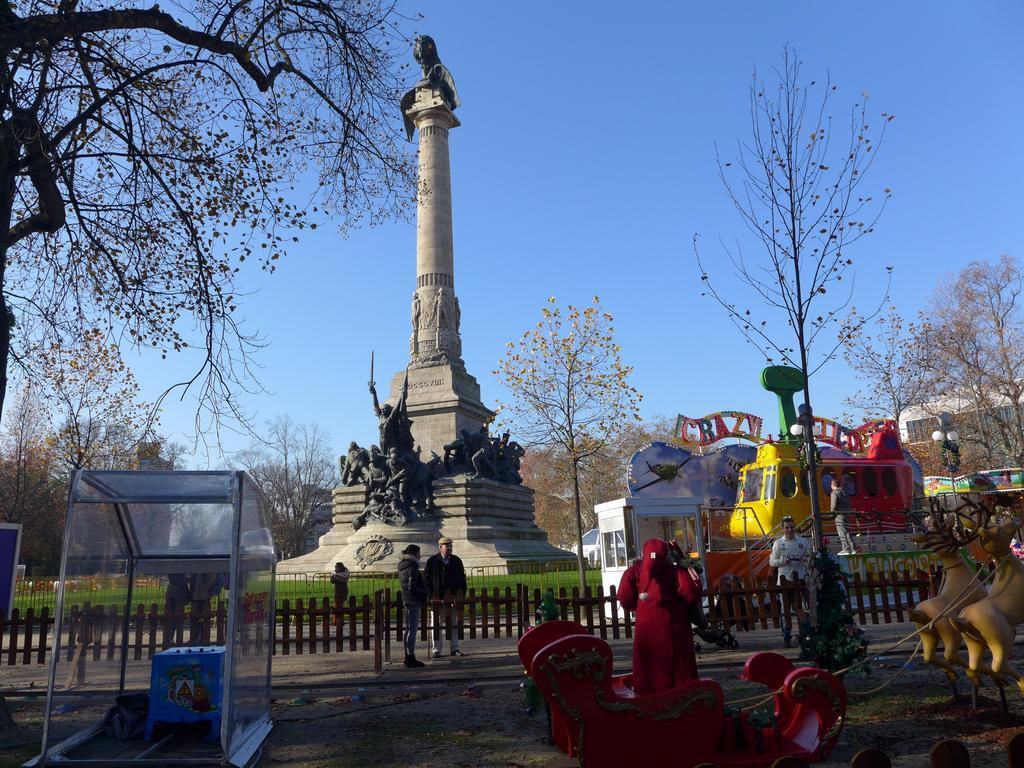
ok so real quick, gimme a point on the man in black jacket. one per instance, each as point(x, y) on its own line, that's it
point(414, 595)
point(446, 578)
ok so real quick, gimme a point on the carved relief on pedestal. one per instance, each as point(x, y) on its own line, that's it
point(446, 317)
point(375, 548)
point(417, 314)
point(436, 319)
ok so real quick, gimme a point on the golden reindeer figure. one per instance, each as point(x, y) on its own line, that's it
point(991, 623)
point(960, 586)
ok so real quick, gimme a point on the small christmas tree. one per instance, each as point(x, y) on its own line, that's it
point(548, 608)
point(833, 641)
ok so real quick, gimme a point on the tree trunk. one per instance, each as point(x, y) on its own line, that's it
point(579, 526)
point(8, 156)
point(9, 152)
point(812, 471)
point(812, 464)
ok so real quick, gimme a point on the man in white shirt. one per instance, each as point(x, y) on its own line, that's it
point(789, 555)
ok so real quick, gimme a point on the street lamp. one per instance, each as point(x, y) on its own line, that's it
point(949, 439)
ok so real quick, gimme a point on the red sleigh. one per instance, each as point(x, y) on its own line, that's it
point(596, 717)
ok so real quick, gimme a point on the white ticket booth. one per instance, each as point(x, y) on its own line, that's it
point(625, 524)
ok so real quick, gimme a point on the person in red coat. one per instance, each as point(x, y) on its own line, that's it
point(659, 592)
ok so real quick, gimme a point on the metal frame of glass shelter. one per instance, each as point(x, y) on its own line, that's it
point(123, 527)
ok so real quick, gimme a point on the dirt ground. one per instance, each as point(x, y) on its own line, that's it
point(471, 712)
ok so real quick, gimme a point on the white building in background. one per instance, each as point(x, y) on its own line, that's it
point(917, 423)
point(591, 547)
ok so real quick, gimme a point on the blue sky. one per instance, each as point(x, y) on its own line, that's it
point(585, 164)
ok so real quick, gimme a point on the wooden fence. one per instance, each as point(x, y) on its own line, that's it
point(98, 632)
point(875, 600)
point(371, 624)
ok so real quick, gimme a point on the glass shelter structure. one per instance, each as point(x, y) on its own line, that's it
point(195, 546)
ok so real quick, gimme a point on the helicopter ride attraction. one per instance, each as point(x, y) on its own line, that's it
point(722, 489)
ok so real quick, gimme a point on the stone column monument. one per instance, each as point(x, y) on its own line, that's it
point(472, 478)
point(443, 398)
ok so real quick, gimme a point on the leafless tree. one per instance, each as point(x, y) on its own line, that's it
point(797, 188)
point(975, 343)
point(295, 469)
point(146, 153)
point(889, 361)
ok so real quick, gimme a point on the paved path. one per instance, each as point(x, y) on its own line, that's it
point(484, 660)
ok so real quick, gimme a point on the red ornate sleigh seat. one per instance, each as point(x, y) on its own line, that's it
point(597, 718)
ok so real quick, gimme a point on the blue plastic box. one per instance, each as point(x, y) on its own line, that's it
point(187, 686)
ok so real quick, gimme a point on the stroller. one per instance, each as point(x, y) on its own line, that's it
point(710, 631)
point(717, 626)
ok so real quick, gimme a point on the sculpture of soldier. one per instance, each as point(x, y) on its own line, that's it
point(457, 453)
point(516, 452)
point(507, 466)
point(398, 482)
point(377, 472)
point(483, 459)
point(394, 422)
point(379, 492)
point(355, 465)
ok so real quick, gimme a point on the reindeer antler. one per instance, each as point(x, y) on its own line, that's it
point(951, 529)
point(974, 514)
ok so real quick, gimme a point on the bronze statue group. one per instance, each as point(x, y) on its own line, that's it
point(400, 485)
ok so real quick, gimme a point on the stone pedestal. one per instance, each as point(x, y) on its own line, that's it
point(443, 400)
point(491, 524)
point(348, 504)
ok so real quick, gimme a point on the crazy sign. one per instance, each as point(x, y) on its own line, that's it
point(854, 440)
point(834, 433)
point(717, 426)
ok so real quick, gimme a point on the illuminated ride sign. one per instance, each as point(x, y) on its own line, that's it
point(718, 426)
point(725, 424)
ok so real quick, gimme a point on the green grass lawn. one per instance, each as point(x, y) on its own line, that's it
point(305, 587)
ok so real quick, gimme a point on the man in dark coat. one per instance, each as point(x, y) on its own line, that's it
point(446, 579)
point(660, 592)
point(414, 595)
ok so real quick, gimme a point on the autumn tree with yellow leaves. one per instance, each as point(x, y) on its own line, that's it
point(94, 400)
point(570, 393)
point(601, 479)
